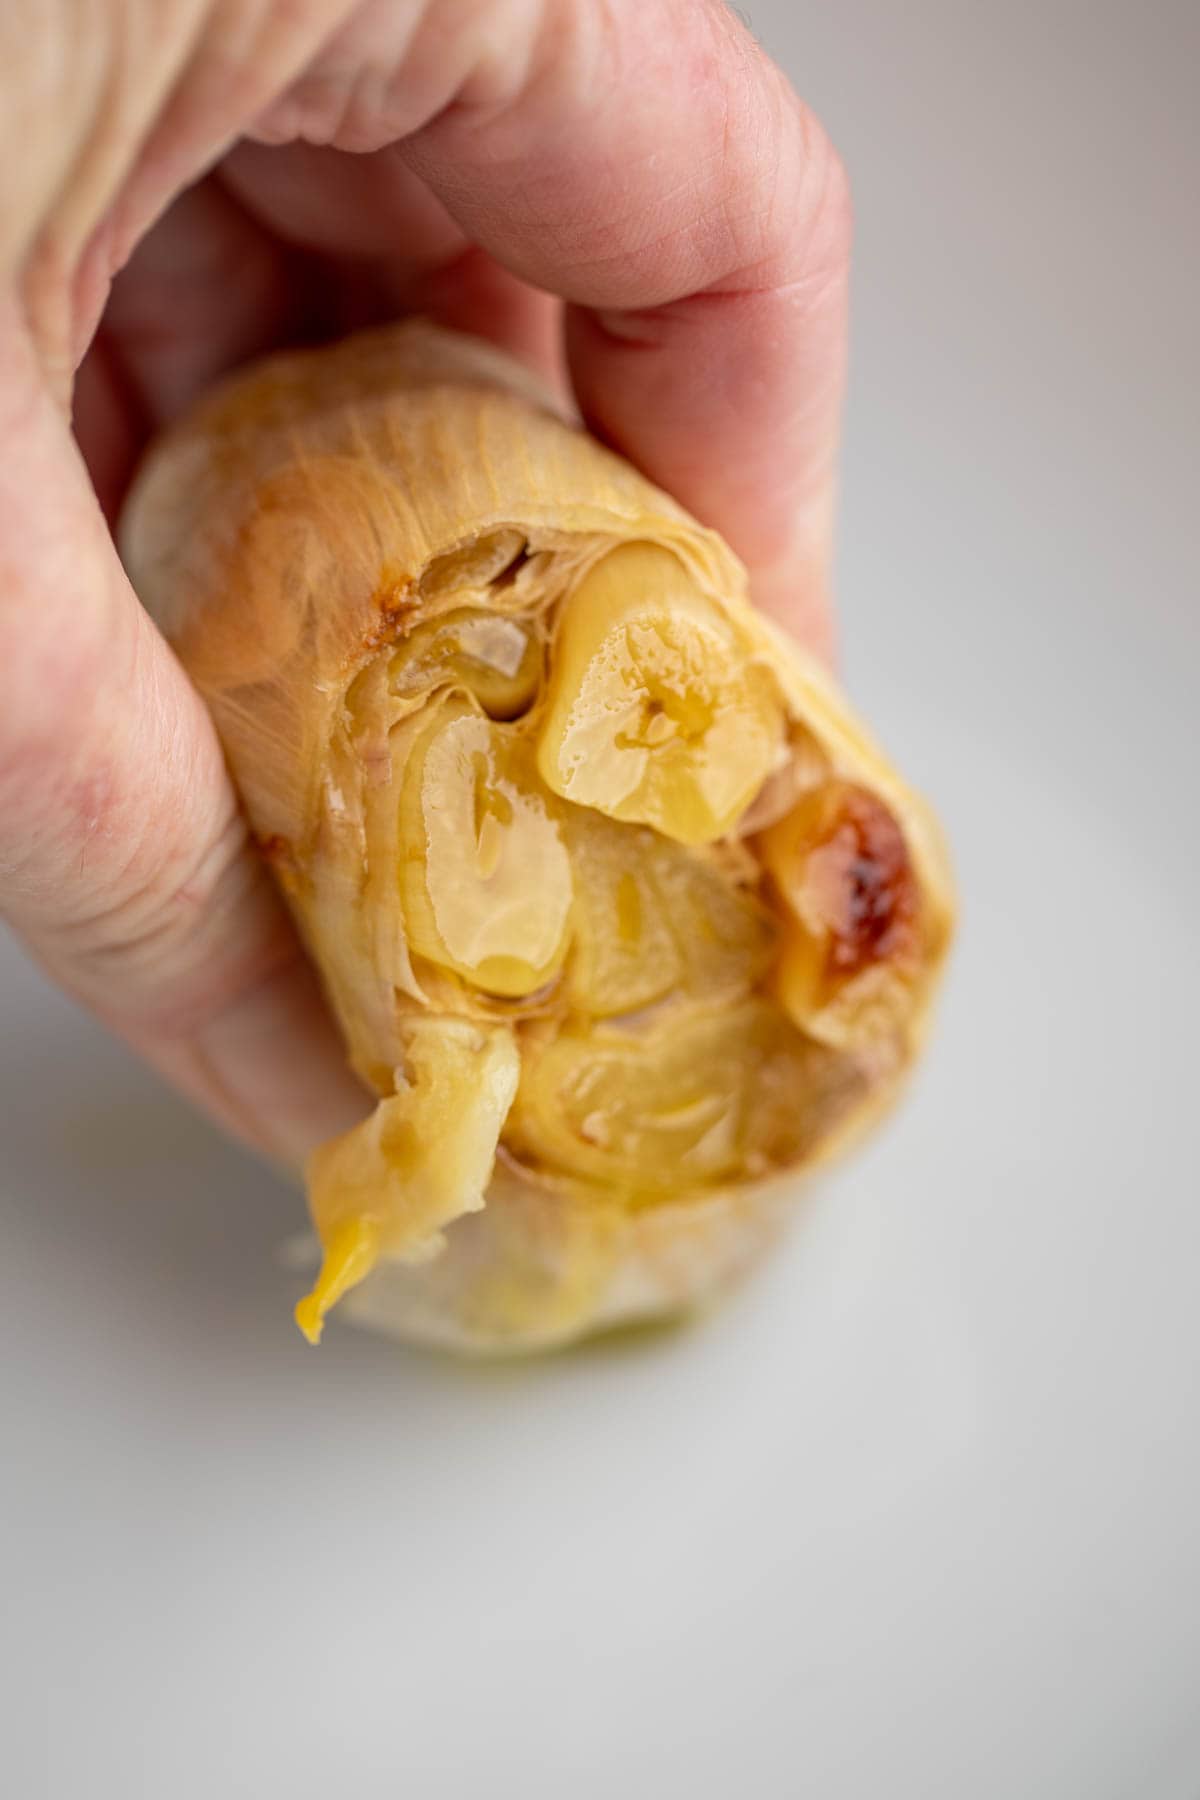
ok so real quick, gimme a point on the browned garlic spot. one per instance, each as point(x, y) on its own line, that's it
point(853, 944)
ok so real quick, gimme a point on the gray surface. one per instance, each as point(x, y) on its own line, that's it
point(918, 1515)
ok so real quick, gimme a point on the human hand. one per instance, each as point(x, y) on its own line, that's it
point(630, 182)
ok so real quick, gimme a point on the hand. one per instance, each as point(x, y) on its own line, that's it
point(630, 182)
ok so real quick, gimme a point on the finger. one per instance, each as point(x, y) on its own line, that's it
point(701, 230)
point(109, 422)
point(123, 857)
point(363, 208)
point(109, 111)
point(371, 213)
point(206, 288)
point(644, 160)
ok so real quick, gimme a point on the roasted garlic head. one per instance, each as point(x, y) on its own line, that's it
point(625, 920)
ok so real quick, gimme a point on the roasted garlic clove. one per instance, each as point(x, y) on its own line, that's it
point(624, 955)
point(485, 879)
point(497, 658)
point(422, 1159)
point(853, 949)
point(701, 1096)
point(656, 714)
point(653, 919)
point(726, 937)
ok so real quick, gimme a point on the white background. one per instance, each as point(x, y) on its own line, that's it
point(919, 1514)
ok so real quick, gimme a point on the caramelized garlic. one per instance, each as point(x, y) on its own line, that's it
point(852, 950)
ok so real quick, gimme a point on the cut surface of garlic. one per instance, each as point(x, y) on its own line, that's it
point(652, 918)
point(485, 878)
point(698, 1096)
point(656, 713)
point(499, 659)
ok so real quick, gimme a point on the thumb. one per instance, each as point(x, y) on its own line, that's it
point(124, 861)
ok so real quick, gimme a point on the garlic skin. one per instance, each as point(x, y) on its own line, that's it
point(623, 916)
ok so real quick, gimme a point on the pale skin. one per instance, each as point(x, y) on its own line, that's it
point(627, 193)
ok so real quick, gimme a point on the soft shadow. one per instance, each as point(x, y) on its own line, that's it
point(151, 1238)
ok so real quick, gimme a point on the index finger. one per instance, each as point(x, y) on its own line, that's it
point(647, 162)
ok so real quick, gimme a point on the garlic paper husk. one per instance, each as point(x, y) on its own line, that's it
point(625, 919)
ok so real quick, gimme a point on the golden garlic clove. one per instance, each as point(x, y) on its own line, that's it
point(653, 918)
point(699, 1097)
point(422, 1159)
point(497, 658)
point(853, 946)
point(624, 955)
point(725, 935)
point(485, 879)
point(655, 712)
